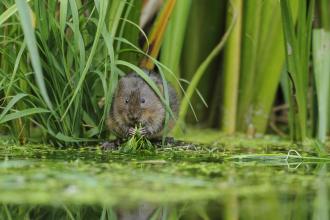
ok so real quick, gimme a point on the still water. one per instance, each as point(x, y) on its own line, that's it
point(40, 182)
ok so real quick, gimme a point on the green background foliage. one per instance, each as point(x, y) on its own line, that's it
point(233, 63)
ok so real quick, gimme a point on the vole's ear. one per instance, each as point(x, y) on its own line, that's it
point(120, 84)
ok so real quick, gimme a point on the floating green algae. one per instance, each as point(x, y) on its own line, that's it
point(188, 181)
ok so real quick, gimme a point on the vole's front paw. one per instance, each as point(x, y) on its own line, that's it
point(143, 131)
point(131, 131)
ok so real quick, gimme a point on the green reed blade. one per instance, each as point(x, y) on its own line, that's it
point(174, 37)
point(297, 44)
point(199, 74)
point(250, 42)
point(232, 68)
point(321, 57)
point(270, 62)
point(324, 6)
point(199, 41)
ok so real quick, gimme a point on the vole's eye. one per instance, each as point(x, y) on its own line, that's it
point(126, 100)
point(143, 100)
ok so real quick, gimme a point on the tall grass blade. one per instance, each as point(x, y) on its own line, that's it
point(131, 31)
point(21, 114)
point(63, 15)
point(8, 13)
point(103, 10)
point(78, 39)
point(26, 22)
point(10, 104)
point(114, 16)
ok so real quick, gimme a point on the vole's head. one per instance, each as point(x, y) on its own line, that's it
point(136, 103)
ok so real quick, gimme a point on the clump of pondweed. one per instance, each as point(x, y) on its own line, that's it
point(137, 142)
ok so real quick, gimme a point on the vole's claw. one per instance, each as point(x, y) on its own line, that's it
point(143, 131)
point(131, 131)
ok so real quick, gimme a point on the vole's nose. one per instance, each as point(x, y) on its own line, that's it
point(133, 117)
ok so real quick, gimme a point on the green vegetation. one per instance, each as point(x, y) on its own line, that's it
point(250, 73)
point(137, 142)
point(188, 180)
point(55, 54)
point(75, 49)
point(298, 48)
point(321, 51)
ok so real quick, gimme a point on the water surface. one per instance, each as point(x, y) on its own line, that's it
point(186, 182)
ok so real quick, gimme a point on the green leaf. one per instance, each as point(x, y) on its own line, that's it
point(26, 23)
point(11, 103)
point(23, 113)
point(321, 57)
point(8, 13)
point(100, 25)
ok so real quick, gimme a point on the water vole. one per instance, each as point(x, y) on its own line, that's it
point(136, 104)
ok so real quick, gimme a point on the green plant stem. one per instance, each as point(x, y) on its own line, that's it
point(250, 43)
point(297, 51)
point(199, 41)
point(324, 6)
point(199, 74)
point(270, 62)
point(231, 69)
point(174, 38)
point(321, 57)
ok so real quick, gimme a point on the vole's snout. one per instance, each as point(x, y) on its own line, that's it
point(133, 117)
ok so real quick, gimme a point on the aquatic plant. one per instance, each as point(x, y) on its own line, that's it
point(44, 182)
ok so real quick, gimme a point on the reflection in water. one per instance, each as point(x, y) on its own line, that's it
point(250, 205)
point(82, 184)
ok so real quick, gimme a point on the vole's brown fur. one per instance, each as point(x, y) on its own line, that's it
point(135, 103)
